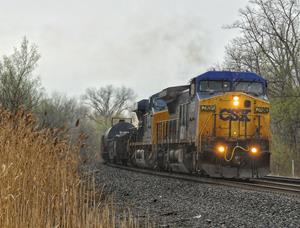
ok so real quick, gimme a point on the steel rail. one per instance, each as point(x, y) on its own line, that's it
point(276, 182)
point(252, 184)
point(283, 179)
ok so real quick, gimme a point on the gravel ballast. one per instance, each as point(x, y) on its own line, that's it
point(177, 203)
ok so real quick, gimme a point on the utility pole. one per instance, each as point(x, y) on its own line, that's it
point(293, 168)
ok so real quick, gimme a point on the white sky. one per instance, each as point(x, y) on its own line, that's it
point(145, 45)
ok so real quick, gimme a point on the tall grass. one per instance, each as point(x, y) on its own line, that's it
point(39, 181)
point(281, 158)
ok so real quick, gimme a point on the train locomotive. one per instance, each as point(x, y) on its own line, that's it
point(217, 126)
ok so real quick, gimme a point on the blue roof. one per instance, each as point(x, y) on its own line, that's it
point(230, 76)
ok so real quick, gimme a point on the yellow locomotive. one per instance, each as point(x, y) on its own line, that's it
point(218, 126)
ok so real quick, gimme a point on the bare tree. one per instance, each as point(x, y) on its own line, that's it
point(269, 44)
point(18, 86)
point(108, 101)
point(60, 111)
point(70, 119)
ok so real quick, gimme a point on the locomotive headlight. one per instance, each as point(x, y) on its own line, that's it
point(221, 149)
point(253, 150)
point(236, 101)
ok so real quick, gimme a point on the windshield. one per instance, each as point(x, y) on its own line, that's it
point(255, 88)
point(214, 86)
point(159, 105)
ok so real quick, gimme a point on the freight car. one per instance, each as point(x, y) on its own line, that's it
point(217, 126)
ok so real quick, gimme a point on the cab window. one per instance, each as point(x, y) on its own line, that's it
point(255, 88)
point(159, 105)
point(214, 86)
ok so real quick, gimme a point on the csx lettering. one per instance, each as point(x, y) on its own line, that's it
point(235, 114)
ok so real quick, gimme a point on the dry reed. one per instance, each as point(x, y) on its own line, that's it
point(39, 181)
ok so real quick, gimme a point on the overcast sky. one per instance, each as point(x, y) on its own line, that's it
point(145, 45)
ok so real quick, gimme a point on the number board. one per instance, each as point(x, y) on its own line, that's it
point(262, 110)
point(207, 108)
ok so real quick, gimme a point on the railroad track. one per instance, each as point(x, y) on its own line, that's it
point(269, 184)
point(283, 179)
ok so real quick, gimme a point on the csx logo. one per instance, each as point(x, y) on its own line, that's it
point(235, 114)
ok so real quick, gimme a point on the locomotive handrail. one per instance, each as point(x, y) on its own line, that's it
point(165, 135)
point(169, 120)
point(214, 129)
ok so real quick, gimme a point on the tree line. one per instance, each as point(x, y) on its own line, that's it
point(87, 116)
point(268, 44)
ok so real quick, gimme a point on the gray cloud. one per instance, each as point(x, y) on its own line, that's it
point(146, 45)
